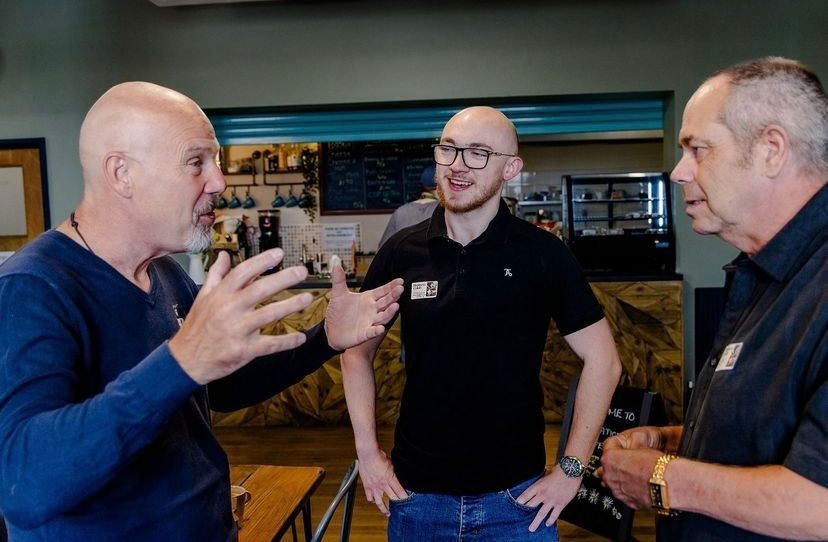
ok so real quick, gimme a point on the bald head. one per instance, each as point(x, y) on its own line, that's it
point(490, 123)
point(129, 118)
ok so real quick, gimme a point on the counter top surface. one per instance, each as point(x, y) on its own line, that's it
point(325, 283)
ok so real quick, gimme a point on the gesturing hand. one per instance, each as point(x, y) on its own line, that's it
point(221, 332)
point(353, 318)
point(551, 493)
point(378, 479)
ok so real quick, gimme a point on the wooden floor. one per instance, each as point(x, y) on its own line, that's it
point(332, 447)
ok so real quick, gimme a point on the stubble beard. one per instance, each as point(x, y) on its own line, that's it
point(475, 203)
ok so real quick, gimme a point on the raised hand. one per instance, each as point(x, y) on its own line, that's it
point(353, 318)
point(221, 332)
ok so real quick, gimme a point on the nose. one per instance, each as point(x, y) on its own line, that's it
point(216, 183)
point(684, 170)
point(459, 163)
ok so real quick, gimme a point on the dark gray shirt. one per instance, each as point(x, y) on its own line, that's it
point(762, 398)
point(408, 215)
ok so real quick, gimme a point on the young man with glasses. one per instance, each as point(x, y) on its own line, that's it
point(480, 289)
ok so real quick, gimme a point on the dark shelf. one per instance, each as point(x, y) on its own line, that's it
point(615, 200)
point(536, 203)
point(613, 219)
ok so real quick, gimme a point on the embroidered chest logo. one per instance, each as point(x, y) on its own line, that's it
point(729, 357)
point(424, 290)
point(507, 272)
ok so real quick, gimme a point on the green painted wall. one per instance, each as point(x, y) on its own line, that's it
point(58, 56)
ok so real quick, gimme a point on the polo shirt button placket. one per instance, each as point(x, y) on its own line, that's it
point(461, 270)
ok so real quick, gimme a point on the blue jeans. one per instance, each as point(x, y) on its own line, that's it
point(495, 517)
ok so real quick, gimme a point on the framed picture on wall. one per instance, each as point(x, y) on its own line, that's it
point(24, 193)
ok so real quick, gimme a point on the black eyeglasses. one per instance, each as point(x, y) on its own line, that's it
point(473, 157)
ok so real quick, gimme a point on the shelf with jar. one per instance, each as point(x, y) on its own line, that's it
point(263, 160)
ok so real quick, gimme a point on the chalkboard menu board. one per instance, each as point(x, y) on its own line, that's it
point(371, 177)
point(594, 508)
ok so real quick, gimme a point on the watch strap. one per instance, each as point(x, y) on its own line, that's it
point(659, 495)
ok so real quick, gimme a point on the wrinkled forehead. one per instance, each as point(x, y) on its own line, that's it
point(178, 131)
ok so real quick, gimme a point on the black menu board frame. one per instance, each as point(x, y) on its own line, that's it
point(371, 177)
point(594, 508)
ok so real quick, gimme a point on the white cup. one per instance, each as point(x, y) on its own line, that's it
point(239, 497)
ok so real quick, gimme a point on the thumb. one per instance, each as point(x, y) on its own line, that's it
point(218, 271)
point(338, 286)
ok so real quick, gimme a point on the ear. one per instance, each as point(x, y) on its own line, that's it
point(512, 168)
point(774, 149)
point(117, 173)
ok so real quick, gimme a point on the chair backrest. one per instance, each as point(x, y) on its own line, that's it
point(347, 491)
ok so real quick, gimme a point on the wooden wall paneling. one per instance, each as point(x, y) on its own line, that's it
point(645, 318)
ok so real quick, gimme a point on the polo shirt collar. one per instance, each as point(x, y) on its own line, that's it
point(496, 232)
point(797, 240)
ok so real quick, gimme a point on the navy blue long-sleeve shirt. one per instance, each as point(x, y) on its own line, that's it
point(102, 434)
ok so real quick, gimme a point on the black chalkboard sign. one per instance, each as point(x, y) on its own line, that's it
point(594, 508)
point(371, 177)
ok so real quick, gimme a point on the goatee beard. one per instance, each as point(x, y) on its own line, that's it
point(201, 236)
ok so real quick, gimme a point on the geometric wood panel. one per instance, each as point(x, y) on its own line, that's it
point(645, 318)
point(647, 325)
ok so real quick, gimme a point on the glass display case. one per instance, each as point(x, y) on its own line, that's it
point(621, 222)
point(537, 197)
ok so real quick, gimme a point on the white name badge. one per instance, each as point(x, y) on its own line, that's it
point(729, 357)
point(424, 290)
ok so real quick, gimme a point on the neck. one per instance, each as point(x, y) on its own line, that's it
point(112, 243)
point(467, 226)
point(782, 202)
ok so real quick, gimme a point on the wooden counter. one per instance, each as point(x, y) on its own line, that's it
point(645, 316)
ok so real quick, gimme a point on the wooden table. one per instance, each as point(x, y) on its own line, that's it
point(278, 495)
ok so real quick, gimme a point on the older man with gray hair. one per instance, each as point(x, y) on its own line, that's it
point(751, 460)
point(110, 357)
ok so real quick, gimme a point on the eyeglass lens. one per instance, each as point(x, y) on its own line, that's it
point(445, 155)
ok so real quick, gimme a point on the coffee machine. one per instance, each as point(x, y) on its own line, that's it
point(269, 230)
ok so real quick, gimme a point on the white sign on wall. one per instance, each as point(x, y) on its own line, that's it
point(339, 237)
point(12, 201)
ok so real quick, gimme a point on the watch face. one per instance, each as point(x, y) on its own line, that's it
point(655, 495)
point(572, 466)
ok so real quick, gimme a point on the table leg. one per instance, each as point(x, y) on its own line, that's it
point(306, 519)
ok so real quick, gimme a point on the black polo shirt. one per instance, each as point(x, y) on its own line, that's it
point(762, 398)
point(474, 325)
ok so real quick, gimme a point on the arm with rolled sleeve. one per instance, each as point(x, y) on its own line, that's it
point(787, 501)
point(775, 500)
point(58, 449)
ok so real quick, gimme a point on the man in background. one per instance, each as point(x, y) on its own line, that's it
point(480, 289)
point(415, 211)
point(110, 359)
point(751, 460)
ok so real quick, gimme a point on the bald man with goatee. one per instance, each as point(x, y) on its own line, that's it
point(480, 289)
point(110, 357)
